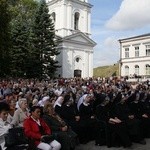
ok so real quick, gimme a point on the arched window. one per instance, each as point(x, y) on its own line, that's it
point(126, 70)
point(76, 20)
point(53, 16)
point(147, 67)
point(136, 69)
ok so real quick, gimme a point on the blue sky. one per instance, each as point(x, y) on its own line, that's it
point(112, 20)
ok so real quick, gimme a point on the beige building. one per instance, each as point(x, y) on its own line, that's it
point(135, 56)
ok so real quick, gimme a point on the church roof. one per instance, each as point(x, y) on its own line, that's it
point(79, 38)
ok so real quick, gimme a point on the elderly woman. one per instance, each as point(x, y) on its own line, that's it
point(21, 113)
point(63, 133)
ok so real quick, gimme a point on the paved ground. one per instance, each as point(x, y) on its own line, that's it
point(135, 146)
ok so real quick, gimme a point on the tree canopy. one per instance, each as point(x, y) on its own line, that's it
point(27, 39)
point(5, 18)
point(45, 40)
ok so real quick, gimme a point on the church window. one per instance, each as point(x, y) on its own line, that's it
point(76, 20)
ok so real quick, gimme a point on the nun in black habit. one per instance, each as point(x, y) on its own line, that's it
point(87, 118)
point(132, 123)
point(115, 130)
point(71, 116)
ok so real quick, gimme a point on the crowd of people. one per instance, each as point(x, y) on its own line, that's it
point(110, 111)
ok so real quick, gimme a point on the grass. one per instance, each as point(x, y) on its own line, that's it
point(106, 71)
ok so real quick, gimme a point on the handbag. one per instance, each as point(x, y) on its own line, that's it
point(47, 138)
point(15, 136)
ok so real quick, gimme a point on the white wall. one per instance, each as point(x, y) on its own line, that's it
point(69, 51)
point(64, 11)
point(141, 61)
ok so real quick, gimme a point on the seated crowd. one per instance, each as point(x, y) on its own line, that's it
point(62, 113)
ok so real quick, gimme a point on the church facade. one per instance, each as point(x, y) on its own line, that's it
point(72, 20)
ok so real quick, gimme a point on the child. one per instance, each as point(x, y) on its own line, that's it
point(4, 125)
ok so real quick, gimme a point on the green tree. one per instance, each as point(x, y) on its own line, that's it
point(19, 51)
point(4, 38)
point(45, 40)
point(23, 12)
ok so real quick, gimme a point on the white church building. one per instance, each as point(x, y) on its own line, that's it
point(135, 56)
point(72, 20)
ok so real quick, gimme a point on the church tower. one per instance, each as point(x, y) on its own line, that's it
point(72, 20)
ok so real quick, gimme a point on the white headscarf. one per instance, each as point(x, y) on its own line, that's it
point(42, 102)
point(81, 100)
point(58, 101)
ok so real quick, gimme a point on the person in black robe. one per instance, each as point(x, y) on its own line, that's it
point(71, 116)
point(99, 95)
point(58, 105)
point(145, 111)
point(123, 112)
point(140, 108)
point(115, 129)
point(87, 118)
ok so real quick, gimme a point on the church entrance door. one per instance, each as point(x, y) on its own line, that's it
point(77, 73)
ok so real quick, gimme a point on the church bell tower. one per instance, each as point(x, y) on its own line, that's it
point(72, 20)
point(70, 16)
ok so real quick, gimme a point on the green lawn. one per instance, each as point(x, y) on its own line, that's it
point(106, 71)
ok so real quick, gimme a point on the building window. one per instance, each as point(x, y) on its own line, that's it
point(53, 16)
point(136, 70)
point(137, 51)
point(126, 52)
point(126, 70)
point(147, 50)
point(147, 69)
point(76, 20)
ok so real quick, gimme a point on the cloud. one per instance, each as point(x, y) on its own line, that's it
point(132, 14)
point(107, 53)
point(111, 43)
